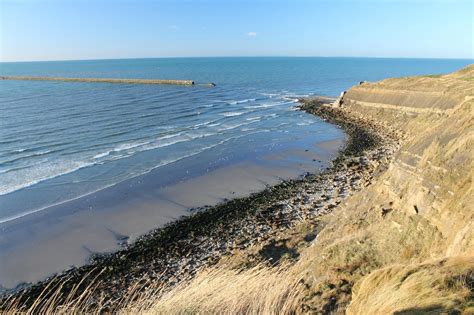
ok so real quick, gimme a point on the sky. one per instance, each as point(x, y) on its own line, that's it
point(32, 30)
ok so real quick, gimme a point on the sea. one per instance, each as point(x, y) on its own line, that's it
point(60, 141)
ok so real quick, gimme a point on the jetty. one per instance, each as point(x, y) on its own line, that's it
point(105, 80)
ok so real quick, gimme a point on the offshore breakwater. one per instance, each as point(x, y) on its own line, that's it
point(105, 80)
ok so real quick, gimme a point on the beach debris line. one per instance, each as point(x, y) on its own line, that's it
point(107, 80)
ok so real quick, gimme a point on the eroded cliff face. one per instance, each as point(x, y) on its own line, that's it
point(431, 176)
point(421, 210)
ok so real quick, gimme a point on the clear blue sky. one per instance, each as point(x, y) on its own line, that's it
point(87, 29)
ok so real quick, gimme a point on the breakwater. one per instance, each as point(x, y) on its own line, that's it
point(103, 80)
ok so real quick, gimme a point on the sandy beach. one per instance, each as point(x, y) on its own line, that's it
point(183, 247)
point(67, 235)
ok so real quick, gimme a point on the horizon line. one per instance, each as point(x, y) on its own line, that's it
point(237, 56)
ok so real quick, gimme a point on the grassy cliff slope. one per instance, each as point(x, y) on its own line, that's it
point(419, 215)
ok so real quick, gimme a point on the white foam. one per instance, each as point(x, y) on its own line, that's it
point(232, 114)
point(267, 105)
point(242, 101)
point(233, 126)
point(269, 95)
point(254, 118)
point(18, 180)
point(44, 171)
point(260, 106)
point(79, 165)
point(202, 124)
point(167, 141)
point(163, 163)
point(101, 155)
point(128, 146)
point(290, 99)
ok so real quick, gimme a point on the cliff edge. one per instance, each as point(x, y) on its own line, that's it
point(419, 215)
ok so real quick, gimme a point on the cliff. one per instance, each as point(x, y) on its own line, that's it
point(415, 222)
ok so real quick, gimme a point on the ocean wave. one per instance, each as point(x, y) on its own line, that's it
point(12, 169)
point(177, 138)
point(27, 156)
point(295, 95)
point(269, 95)
point(206, 123)
point(226, 127)
point(101, 155)
point(54, 168)
point(290, 99)
point(128, 146)
point(119, 148)
point(17, 180)
point(248, 129)
point(163, 163)
point(232, 114)
point(266, 105)
point(254, 118)
point(242, 101)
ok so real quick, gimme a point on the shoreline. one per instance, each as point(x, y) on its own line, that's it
point(109, 219)
point(180, 249)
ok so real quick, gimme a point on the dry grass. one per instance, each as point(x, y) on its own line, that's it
point(444, 286)
point(259, 290)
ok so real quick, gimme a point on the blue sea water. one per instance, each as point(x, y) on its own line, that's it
point(63, 140)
